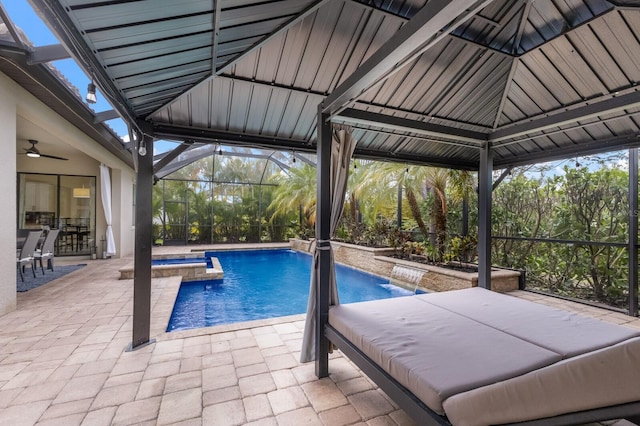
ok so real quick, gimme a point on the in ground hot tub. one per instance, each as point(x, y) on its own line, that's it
point(190, 266)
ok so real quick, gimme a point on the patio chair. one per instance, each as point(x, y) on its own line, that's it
point(26, 253)
point(46, 252)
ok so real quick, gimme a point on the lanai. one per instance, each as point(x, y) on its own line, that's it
point(478, 85)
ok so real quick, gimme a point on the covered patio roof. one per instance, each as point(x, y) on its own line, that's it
point(429, 82)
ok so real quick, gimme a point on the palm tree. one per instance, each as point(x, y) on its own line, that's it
point(380, 182)
point(372, 191)
point(374, 186)
point(436, 183)
point(295, 191)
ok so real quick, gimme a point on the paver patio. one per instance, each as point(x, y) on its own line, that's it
point(62, 362)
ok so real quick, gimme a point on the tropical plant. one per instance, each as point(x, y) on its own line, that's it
point(586, 207)
point(379, 182)
point(218, 199)
point(462, 248)
point(295, 191)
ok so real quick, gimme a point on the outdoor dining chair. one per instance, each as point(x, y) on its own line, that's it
point(26, 253)
point(47, 249)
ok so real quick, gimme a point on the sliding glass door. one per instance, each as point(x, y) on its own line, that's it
point(64, 202)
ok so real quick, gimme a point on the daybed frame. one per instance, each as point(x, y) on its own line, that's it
point(424, 415)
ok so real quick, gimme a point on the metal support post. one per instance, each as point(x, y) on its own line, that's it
point(260, 212)
point(399, 205)
point(143, 243)
point(633, 231)
point(186, 215)
point(323, 235)
point(465, 216)
point(484, 217)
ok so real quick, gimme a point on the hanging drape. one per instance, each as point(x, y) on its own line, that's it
point(105, 191)
point(342, 146)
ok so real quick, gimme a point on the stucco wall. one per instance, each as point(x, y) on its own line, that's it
point(8, 191)
point(22, 115)
point(85, 159)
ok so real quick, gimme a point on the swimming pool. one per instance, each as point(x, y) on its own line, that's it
point(261, 284)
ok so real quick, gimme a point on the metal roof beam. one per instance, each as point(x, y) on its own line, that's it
point(481, 46)
point(379, 9)
point(170, 156)
point(548, 134)
point(166, 171)
point(164, 131)
point(397, 110)
point(12, 28)
point(48, 53)
point(304, 159)
point(433, 22)
point(411, 158)
point(216, 33)
point(103, 116)
point(526, 10)
point(457, 37)
point(589, 148)
point(321, 95)
point(502, 176)
point(607, 106)
point(273, 85)
point(216, 137)
point(404, 18)
point(487, 20)
point(405, 125)
point(170, 168)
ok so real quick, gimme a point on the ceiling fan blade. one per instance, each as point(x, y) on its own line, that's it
point(34, 150)
point(53, 157)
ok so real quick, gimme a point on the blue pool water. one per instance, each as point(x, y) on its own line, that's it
point(261, 284)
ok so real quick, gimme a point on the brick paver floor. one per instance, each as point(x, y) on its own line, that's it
point(62, 362)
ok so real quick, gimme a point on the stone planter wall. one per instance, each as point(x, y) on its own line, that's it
point(406, 273)
point(360, 257)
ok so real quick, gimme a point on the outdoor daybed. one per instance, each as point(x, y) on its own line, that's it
point(476, 357)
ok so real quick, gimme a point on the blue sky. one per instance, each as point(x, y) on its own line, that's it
point(23, 16)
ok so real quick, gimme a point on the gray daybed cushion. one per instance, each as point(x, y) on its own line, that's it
point(565, 333)
point(433, 352)
point(606, 377)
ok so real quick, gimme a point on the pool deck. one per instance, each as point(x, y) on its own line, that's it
point(62, 362)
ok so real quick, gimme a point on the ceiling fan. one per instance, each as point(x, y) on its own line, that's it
point(33, 152)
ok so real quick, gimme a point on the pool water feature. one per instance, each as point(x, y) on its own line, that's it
point(260, 284)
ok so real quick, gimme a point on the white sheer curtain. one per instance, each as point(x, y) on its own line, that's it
point(105, 186)
point(342, 146)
